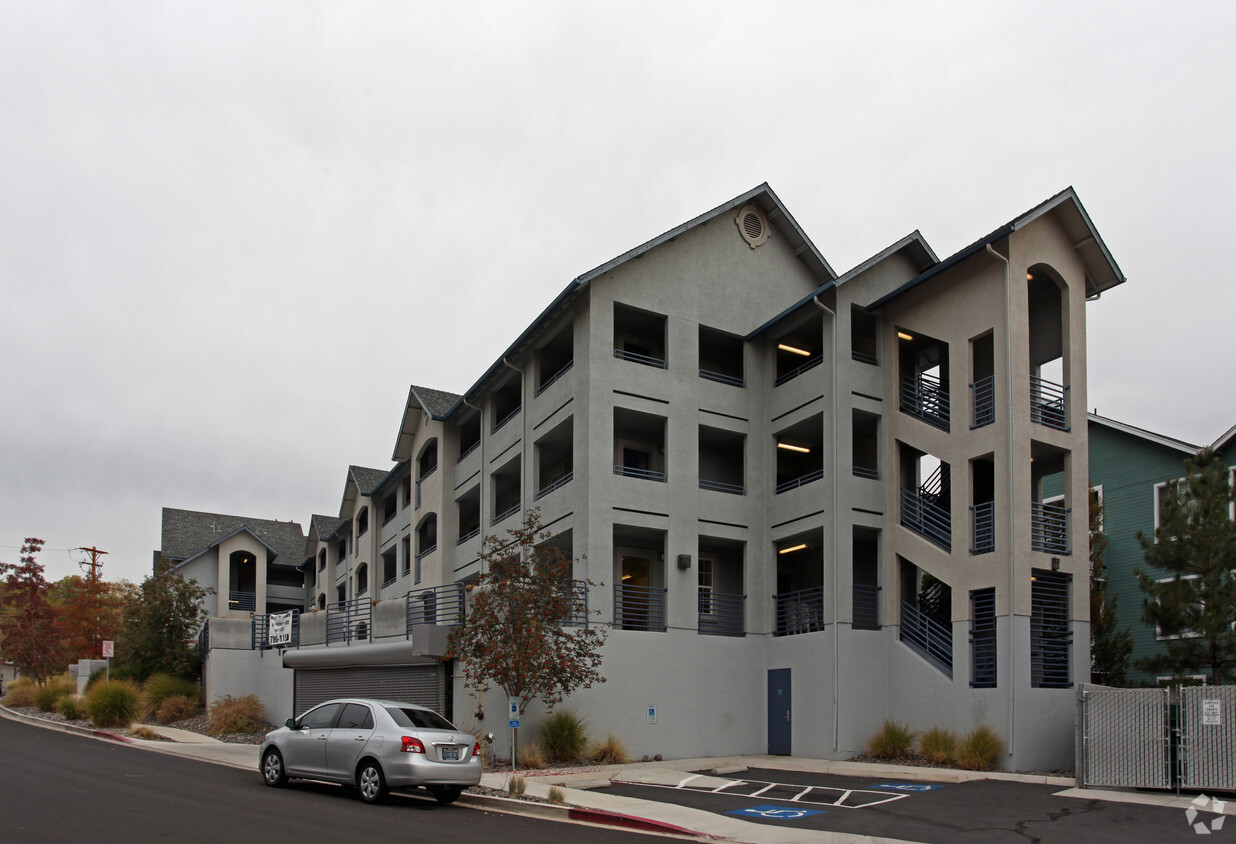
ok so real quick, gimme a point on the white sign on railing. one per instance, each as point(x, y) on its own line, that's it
point(279, 630)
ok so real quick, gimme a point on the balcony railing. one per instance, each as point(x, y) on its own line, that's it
point(927, 635)
point(721, 614)
point(865, 472)
point(810, 363)
point(635, 357)
point(983, 518)
point(799, 612)
point(425, 552)
point(863, 357)
point(983, 640)
point(241, 601)
point(468, 534)
point(259, 639)
point(507, 513)
point(560, 481)
point(866, 607)
point(546, 384)
point(926, 518)
point(468, 451)
point(1049, 528)
point(720, 486)
point(795, 483)
point(436, 605)
point(348, 621)
point(983, 392)
point(643, 474)
point(390, 581)
point(639, 608)
point(1049, 403)
point(498, 425)
point(722, 378)
point(926, 398)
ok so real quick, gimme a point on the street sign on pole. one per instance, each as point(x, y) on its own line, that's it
point(109, 649)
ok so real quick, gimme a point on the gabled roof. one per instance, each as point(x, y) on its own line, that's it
point(762, 195)
point(913, 245)
point(1225, 439)
point(324, 527)
point(366, 479)
point(1168, 442)
point(188, 533)
point(435, 404)
point(244, 529)
point(1102, 272)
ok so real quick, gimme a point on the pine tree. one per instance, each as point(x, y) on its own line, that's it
point(1195, 546)
point(1110, 645)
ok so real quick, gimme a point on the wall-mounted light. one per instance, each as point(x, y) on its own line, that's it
point(798, 547)
point(783, 347)
point(789, 447)
point(626, 577)
point(1029, 276)
point(905, 336)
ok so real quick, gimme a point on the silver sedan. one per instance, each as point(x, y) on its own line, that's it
point(373, 745)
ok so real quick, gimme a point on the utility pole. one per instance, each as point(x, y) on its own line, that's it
point(93, 567)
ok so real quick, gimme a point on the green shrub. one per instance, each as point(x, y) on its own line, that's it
point(159, 687)
point(892, 741)
point(100, 673)
point(113, 703)
point(563, 734)
point(939, 745)
point(141, 731)
point(530, 756)
point(177, 708)
point(72, 707)
point(516, 786)
point(230, 715)
point(20, 693)
point(979, 750)
point(609, 752)
point(46, 695)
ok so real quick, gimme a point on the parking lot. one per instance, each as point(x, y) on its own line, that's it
point(980, 811)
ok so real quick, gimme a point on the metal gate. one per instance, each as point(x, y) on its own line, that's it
point(1208, 737)
point(422, 684)
point(1125, 738)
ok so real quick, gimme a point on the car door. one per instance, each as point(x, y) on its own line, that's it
point(304, 752)
point(348, 739)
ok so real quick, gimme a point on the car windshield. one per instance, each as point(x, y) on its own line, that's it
point(424, 719)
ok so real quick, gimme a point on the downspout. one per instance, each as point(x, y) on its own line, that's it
point(836, 562)
point(1008, 373)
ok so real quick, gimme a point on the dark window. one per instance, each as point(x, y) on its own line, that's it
point(355, 716)
point(410, 718)
point(321, 718)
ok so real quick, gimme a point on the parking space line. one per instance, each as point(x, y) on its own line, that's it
point(812, 795)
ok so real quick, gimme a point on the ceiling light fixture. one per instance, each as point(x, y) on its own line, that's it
point(796, 351)
point(905, 336)
point(798, 547)
point(789, 447)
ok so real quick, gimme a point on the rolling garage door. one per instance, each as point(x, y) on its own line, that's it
point(421, 684)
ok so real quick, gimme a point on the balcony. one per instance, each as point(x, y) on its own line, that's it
point(930, 637)
point(926, 398)
point(1049, 528)
point(241, 601)
point(866, 607)
point(983, 519)
point(639, 608)
point(642, 474)
point(555, 484)
point(348, 621)
point(437, 605)
point(983, 395)
point(789, 375)
point(795, 483)
point(923, 514)
point(721, 614)
point(799, 612)
point(1049, 403)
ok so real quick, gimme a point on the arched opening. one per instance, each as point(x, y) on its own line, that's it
point(362, 578)
point(1047, 308)
point(242, 581)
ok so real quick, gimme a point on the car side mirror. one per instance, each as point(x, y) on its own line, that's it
point(290, 724)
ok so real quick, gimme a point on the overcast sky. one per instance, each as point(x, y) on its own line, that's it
point(233, 233)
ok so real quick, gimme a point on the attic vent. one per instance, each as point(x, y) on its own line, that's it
point(752, 225)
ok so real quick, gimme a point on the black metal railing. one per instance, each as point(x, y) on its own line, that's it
point(1049, 528)
point(241, 601)
point(983, 393)
point(498, 425)
point(546, 384)
point(1050, 636)
point(721, 614)
point(795, 483)
point(925, 397)
point(349, 621)
point(983, 530)
point(425, 552)
point(1049, 403)
point(259, 637)
point(720, 486)
point(436, 605)
point(468, 451)
point(560, 481)
point(635, 357)
point(643, 474)
point(639, 608)
point(863, 357)
point(929, 636)
point(866, 472)
point(722, 378)
point(798, 612)
point(809, 363)
point(927, 518)
point(468, 534)
point(866, 607)
point(983, 639)
point(506, 514)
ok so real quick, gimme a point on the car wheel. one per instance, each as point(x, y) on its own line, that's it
point(370, 782)
point(447, 793)
point(273, 773)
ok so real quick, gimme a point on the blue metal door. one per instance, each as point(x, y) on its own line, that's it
point(779, 712)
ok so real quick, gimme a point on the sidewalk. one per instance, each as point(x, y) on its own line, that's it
point(585, 804)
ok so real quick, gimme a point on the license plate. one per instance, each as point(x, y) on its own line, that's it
point(450, 754)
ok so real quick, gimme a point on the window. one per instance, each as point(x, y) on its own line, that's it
point(406, 547)
point(362, 521)
point(1186, 633)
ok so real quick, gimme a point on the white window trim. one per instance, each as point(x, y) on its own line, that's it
point(1097, 489)
point(1158, 488)
point(1188, 634)
point(1163, 680)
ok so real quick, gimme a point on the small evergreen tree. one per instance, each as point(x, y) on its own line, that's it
point(28, 633)
point(514, 635)
point(1110, 645)
point(162, 618)
point(1195, 545)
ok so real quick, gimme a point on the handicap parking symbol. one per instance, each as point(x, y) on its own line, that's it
point(777, 813)
point(907, 786)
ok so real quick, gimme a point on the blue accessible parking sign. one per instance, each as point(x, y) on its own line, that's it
point(777, 813)
point(908, 786)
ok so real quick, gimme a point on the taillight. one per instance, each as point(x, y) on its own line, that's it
point(476, 749)
point(411, 745)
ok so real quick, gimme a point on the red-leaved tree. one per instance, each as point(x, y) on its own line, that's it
point(526, 630)
point(28, 631)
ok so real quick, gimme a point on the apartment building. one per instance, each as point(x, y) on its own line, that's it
point(808, 501)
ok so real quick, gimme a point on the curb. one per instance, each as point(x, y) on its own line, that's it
point(62, 727)
point(598, 817)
